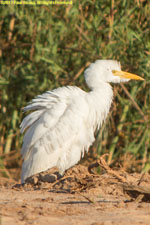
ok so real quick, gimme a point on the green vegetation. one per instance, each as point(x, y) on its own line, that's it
point(43, 47)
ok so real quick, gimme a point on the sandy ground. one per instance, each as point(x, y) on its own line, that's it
point(78, 198)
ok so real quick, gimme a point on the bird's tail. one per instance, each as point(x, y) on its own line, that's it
point(38, 160)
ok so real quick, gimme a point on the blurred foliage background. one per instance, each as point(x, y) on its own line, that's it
point(43, 47)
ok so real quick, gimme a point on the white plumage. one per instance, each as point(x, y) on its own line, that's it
point(61, 127)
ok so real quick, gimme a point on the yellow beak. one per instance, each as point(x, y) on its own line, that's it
point(126, 75)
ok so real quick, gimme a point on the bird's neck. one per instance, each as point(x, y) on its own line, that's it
point(101, 99)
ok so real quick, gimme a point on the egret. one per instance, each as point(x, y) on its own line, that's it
point(61, 126)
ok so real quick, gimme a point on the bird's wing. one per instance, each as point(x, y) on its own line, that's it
point(52, 129)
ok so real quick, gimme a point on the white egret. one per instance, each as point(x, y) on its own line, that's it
point(61, 127)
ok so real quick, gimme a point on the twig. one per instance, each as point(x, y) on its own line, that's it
point(141, 179)
point(133, 101)
point(81, 70)
point(111, 19)
point(91, 166)
point(101, 162)
point(11, 28)
point(87, 198)
point(83, 34)
point(61, 179)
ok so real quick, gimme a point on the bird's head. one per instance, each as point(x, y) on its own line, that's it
point(107, 71)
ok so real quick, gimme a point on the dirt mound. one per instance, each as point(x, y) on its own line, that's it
point(80, 179)
point(80, 197)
